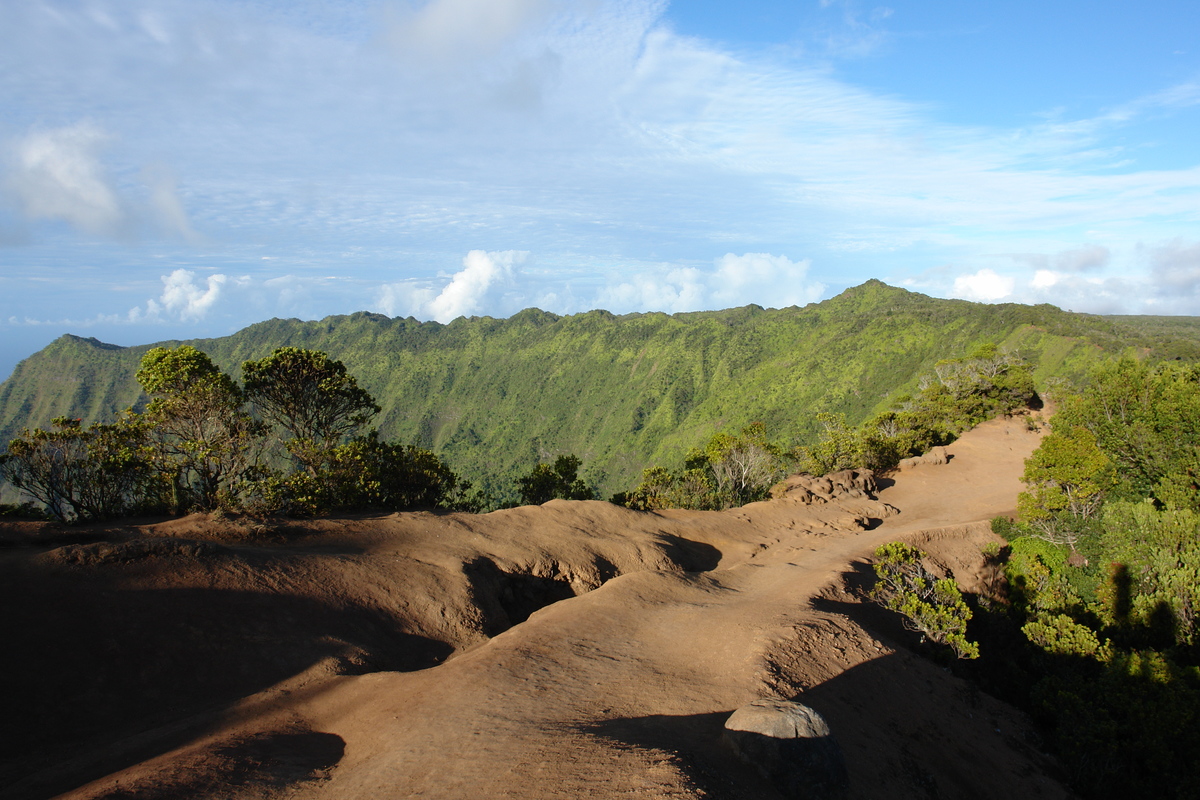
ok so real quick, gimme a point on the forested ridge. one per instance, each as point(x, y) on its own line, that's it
point(494, 397)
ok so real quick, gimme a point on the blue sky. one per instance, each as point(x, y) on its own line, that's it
point(173, 169)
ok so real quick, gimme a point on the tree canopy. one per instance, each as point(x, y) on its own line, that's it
point(311, 397)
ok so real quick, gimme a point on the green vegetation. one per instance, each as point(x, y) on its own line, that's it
point(558, 481)
point(496, 397)
point(1100, 639)
point(730, 471)
point(196, 446)
point(362, 474)
point(931, 606)
point(735, 470)
point(959, 394)
point(1104, 575)
point(311, 398)
point(205, 442)
point(82, 474)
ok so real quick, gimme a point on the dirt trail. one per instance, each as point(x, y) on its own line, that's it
point(622, 691)
point(517, 716)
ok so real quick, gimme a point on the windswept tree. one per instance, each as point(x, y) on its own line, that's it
point(745, 466)
point(732, 470)
point(83, 474)
point(206, 441)
point(931, 606)
point(311, 398)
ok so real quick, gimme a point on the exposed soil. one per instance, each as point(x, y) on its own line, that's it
point(568, 650)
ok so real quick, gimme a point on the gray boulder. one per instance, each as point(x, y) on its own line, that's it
point(791, 746)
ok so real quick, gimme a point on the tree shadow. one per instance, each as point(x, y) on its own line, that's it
point(90, 663)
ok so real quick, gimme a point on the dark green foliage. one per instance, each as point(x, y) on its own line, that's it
point(1067, 477)
point(195, 446)
point(1126, 725)
point(311, 397)
point(84, 474)
point(206, 444)
point(1146, 419)
point(1104, 577)
point(931, 606)
point(22, 511)
point(365, 473)
point(550, 482)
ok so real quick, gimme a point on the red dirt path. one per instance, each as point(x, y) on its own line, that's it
point(391, 657)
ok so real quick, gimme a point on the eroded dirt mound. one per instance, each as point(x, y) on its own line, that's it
point(572, 649)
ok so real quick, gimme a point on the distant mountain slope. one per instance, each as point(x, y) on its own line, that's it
point(493, 396)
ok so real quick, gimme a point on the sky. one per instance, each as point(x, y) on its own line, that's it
point(183, 168)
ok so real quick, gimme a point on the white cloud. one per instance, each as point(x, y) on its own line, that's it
point(182, 298)
point(1045, 279)
point(670, 290)
point(769, 280)
point(165, 204)
point(1147, 279)
point(762, 278)
point(1176, 266)
point(487, 281)
point(405, 299)
point(984, 286)
point(482, 274)
point(458, 29)
point(56, 174)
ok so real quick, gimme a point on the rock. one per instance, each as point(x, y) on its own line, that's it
point(812, 490)
point(936, 456)
point(791, 746)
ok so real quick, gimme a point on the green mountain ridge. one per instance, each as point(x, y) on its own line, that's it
point(495, 396)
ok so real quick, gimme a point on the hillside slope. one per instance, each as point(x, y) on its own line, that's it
point(495, 396)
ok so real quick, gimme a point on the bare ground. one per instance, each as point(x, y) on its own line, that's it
point(568, 650)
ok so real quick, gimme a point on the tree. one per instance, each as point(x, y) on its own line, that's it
point(1145, 419)
point(83, 474)
point(745, 466)
point(1066, 478)
point(839, 446)
point(559, 481)
point(206, 442)
point(311, 397)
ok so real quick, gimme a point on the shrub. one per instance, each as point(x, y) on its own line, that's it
point(558, 481)
point(931, 606)
point(84, 474)
point(363, 474)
